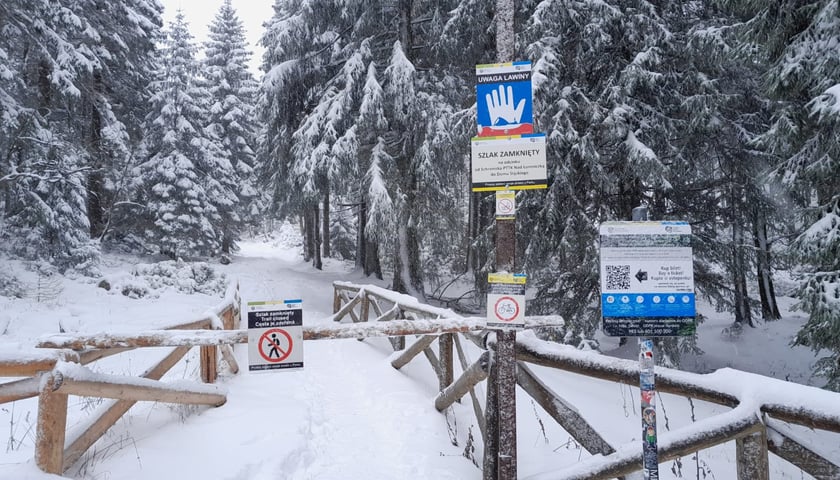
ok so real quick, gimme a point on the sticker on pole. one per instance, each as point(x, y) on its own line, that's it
point(505, 205)
point(647, 279)
point(504, 99)
point(506, 300)
point(275, 335)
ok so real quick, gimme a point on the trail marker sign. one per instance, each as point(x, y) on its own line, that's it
point(647, 279)
point(506, 300)
point(275, 335)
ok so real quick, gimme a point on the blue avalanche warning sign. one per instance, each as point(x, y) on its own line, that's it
point(504, 100)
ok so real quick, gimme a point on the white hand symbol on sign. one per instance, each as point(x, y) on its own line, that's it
point(500, 106)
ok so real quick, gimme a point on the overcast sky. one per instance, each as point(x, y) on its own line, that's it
point(199, 14)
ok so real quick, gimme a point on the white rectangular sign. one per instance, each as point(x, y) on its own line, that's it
point(517, 162)
point(506, 300)
point(275, 335)
point(647, 279)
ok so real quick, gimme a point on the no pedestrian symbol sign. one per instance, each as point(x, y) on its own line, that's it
point(506, 300)
point(275, 335)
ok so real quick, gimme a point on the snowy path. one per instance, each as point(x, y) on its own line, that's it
point(348, 414)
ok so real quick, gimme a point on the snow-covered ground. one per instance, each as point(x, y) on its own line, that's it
point(348, 414)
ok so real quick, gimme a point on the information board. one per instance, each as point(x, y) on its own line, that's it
point(275, 335)
point(647, 279)
point(517, 162)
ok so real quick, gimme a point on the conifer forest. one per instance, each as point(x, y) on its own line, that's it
point(120, 133)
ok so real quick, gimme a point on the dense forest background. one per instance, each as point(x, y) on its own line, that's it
point(119, 134)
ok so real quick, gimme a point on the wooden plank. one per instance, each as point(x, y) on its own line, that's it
point(209, 363)
point(348, 307)
point(51, 426)
point(447, 362)
point(412, 351)
point(78, 445)
point(678, 443)
point(626, 371)
point(20, 389)
point(433, 361)
point(13, 368)
point(479, 415)
point(472, 375)
point(142, 389)
point(564, 414)
point(227, 354)
point(751, 456)
point(355, 301)
point(803, 456)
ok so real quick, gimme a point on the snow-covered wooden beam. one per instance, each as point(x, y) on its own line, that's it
point(566, 415)
point(19, 389)
point(24, 361)
point(84, 436)
point(791, 402)
point(317, 331)
point(74, 379)
point(741, 421)
point(785, 443)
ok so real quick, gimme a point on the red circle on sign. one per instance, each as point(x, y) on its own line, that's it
point(273, 343)
point(506, 309)
point(505, 206)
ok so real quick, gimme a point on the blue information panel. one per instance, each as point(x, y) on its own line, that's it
point(647, 279)
point(504, 100)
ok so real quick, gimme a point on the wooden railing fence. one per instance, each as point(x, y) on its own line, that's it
point(752, 418)
point(53, 375)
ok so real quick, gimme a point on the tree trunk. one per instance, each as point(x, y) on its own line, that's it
point(96, 180)
point(769, 307)
point(361, 241)
point(325, 224)
point(307, 234)
point(739, 274)
point(316, 238)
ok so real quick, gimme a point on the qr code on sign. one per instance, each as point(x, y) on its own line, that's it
point(618, 277)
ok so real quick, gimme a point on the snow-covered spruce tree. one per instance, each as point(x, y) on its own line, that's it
point(46, 133)
point(301, 40)
point(232, 95)
point(598, 88)
point(801, 41)
point(180, 179)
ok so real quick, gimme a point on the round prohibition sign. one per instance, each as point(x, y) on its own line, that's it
point(505, 206)
point(506, 309)
point(275, 345)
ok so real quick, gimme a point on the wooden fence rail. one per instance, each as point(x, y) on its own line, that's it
point(754, 414)
point(53, 375)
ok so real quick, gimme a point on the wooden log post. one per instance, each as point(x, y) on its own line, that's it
point(801, 455)
point(465, 383)
point(51, 426)
point(419, 346)
point(506, 385)
point(479, 414)
point(365, 311)
point(336, 302)
point(752, 458)
point(447, 364)
point(563, 413)
point(490, 466)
